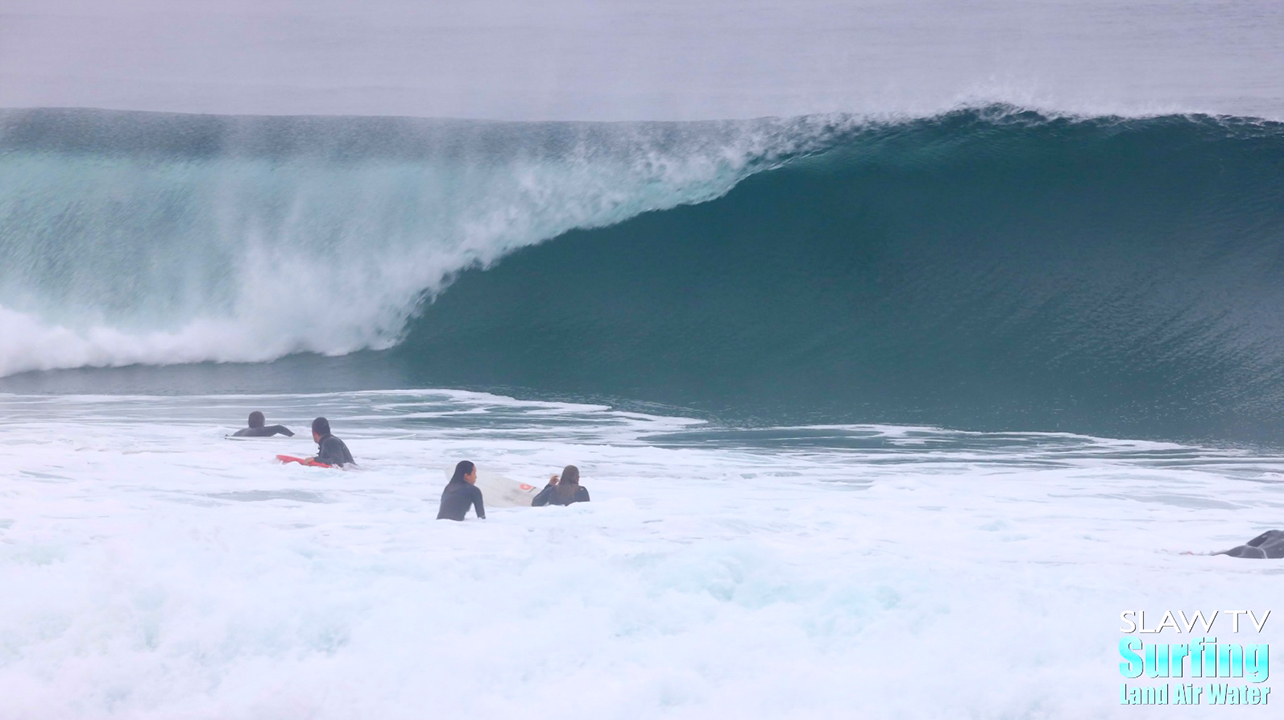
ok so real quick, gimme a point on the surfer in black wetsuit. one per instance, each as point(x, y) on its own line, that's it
point(257, 429)
point(1269, 544)
point(461, 492)
point(330, 449)
point(562, 491)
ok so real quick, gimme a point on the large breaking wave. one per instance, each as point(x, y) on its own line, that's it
point(984, 268)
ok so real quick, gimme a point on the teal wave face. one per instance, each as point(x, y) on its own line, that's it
point(1120, 277)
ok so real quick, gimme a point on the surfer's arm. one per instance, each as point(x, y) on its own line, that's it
point(280, 430)
point(477, 502)
point(541, 499)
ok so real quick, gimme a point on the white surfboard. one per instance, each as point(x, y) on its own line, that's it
point(499, 491)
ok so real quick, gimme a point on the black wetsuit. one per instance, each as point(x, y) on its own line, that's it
point(1269, 544)
point(456, 498)
point(332, 451)
point(263, 431)
point(550, 496)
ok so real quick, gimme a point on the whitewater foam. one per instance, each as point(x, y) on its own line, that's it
point(145, 239)
point(154, 570)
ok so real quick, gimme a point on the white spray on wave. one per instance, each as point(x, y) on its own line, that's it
point(117, 258)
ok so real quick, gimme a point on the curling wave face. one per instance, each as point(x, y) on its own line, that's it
point(987, 269)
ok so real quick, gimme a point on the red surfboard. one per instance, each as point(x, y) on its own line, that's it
point(302, 461)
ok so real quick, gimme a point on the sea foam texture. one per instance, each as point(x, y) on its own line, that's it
point(133, 238)
point(152, 569)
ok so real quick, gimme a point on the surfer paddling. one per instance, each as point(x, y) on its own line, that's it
point(563, 490)
point(257, 428)
point(330, 449)
point(1269, 544)
point(460, 493)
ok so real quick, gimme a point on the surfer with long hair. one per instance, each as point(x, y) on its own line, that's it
point(563, 490)
point(461, 492)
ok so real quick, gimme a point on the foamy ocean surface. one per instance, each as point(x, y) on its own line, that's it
point(153, 569)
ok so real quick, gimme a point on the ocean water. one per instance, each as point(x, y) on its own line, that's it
point(153, 569)
point(902, 345)
point(989, 268)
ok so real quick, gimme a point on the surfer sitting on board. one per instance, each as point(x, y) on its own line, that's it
point(256, 428)
point(330, 449)
point(461, 492)
point(562, 491)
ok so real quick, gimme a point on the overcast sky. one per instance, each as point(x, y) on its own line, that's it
point(641, 59)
